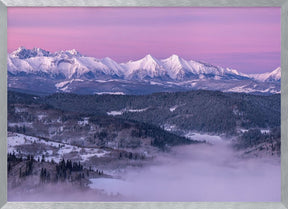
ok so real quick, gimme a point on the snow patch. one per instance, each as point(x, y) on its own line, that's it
point(213, 139)
point(19, 124)
point(137, 110)
point(84, 122)
point(172, 109)
point(115, 113)
point(169, 127)
point(64, 85)
point(20, 109)
point(120, 112)
point(40, 117)
point(265, 131)
point(112, 93)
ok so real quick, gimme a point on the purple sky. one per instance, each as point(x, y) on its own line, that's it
point(247, 39)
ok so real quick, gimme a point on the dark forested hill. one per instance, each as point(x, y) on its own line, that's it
point(29, 115)
point(132, 122)
point(208, 111)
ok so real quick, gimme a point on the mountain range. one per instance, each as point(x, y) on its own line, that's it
point(70, 71)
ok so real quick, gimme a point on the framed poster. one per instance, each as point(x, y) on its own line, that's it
point(143, 104)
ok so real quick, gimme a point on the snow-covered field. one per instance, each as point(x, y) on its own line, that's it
point(52, 150)
point(245, 89)
point(213, 139)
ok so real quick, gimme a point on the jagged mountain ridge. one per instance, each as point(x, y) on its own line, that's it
point(72, 64)
point(66, 71)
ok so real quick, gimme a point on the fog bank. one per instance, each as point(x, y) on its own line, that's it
point(200, 173)
point(187, 173)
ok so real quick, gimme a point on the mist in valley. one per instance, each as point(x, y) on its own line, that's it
point(187, 173)
point(200, 173)
point(212, 171)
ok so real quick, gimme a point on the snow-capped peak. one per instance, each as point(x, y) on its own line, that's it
point(23, 53)
point(173, 57)
point(233, 71)
point(71, 64)
point(73, 52)
point(112, 65)
point(145, 67)
point(274, 76)
point(276, 73)
point(148, 57)
point(70, 53)
point(176, 67)
point(19, 49)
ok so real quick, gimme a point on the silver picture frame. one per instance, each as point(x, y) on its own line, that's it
point(4, 4)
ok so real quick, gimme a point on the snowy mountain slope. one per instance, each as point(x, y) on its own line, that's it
point(64, 64)
point(69, 71)
point(178, 68)
point(23, 53)
point(148, 67)
point(16, 140)
point(268, 77)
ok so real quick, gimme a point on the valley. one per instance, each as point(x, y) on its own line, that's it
point(143, 104)
point(111, 137)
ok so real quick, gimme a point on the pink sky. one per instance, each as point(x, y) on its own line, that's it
point(247, 39)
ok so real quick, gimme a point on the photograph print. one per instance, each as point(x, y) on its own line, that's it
point(144, 104)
